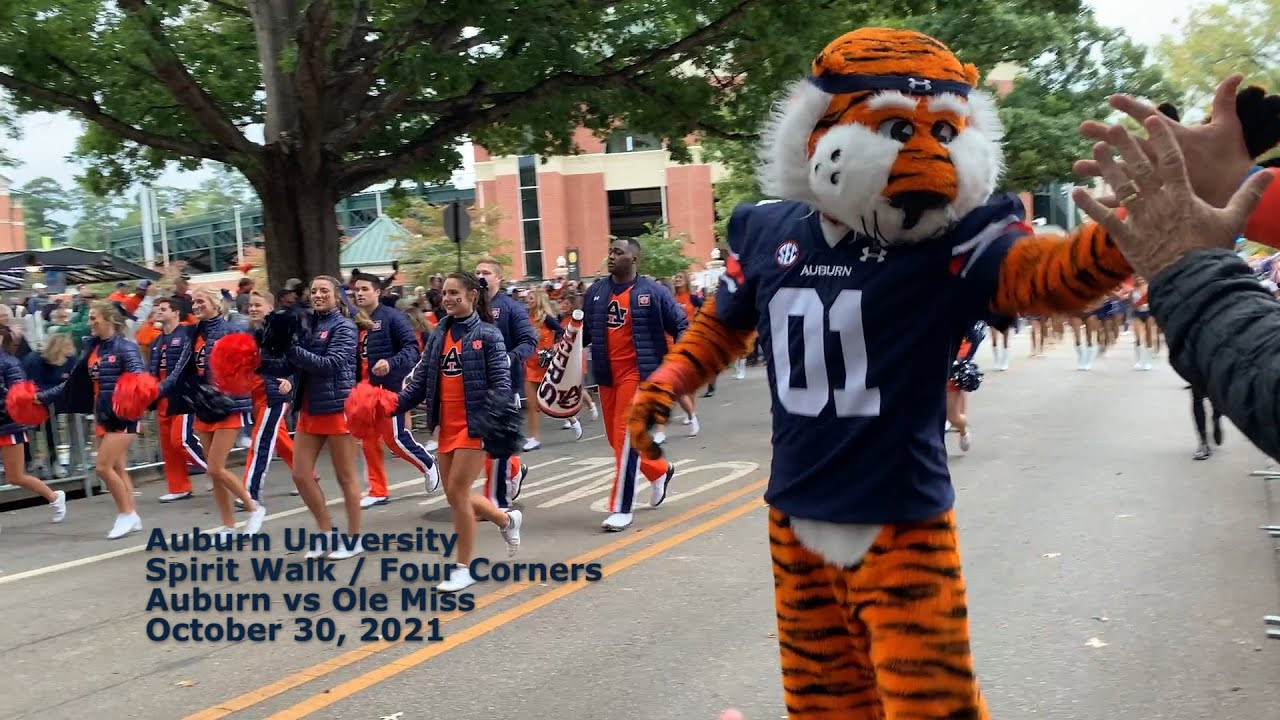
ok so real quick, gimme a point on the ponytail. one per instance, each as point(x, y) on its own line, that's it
point(8, 343)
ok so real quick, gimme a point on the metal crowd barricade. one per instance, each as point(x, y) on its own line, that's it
point(1272, 622)
point(76, 451)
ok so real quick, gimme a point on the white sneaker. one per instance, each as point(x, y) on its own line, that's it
point(369, 501)
point(511, 533)
point(174, 497)
point(576, 427)
point(432, 446)
point(253, 525)
point(595, 413)
point(568, 424)
point(433, 477)
point(694, 427)
point(661, 486)
point(459, 579)
point(59, 506)
point(965, 443)
point(515, 484)
point(531, 444)
point(313, 554)
point(617, 522)
point(125, 524)
point(659, 437)
point(343, 553)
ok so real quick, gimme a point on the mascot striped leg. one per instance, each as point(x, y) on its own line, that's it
point(885, 639)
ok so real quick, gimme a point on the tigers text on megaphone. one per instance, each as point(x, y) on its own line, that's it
point(560, 393)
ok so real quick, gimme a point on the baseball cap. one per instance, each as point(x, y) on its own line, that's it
point(293, 285)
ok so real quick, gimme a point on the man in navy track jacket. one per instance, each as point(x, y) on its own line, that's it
point(387, 350)
point(505, 475)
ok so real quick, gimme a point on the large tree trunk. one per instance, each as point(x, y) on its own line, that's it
point(299, 221)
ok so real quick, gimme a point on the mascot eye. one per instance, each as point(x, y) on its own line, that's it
point(897, 129)
point(944, 132)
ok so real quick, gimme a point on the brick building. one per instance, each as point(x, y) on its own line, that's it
point(614, 187)
point(13, 232)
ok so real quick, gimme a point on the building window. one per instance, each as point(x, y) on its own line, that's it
point(625, 141)
point(530, 217)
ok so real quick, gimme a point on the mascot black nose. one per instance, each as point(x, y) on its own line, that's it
point(914, 203)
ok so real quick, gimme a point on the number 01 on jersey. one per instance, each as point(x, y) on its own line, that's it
point(844, 320)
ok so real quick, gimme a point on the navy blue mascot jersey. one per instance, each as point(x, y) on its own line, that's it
point(860, 341)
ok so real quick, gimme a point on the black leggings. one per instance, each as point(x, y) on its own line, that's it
point(1197, 412)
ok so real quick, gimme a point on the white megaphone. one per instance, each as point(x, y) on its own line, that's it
point(560, 393)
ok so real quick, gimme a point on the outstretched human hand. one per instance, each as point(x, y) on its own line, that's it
point(1165, 218)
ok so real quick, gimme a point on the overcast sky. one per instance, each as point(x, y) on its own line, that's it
point(49, 139)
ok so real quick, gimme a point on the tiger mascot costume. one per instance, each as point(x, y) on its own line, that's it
point(885, 160)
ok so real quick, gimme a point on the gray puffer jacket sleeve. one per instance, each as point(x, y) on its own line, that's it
point(1223, 330)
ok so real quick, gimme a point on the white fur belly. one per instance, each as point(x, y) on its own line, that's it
point(837, 543)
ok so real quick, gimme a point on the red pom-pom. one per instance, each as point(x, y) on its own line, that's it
point(234, 363)
point(367, 410)
point(134, 393)
point(22, 407)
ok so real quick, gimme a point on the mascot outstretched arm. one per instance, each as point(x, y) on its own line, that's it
point(884, 247)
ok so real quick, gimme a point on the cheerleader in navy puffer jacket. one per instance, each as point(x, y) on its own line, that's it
point(108, 360)
point(217, 427)
point(325, 356)
point(13, 437)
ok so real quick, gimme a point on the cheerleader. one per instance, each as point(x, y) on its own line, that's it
point(13, 435)
point(957, 398)
point(219, 417)
point(465, 378)
point(1144, 325)
point(108, 382)
point(325, 356)
point(691, 304)
point(271, 389)
point(1203, 451)
point(542, 316)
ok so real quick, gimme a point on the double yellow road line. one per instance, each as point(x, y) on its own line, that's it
point(394, 667)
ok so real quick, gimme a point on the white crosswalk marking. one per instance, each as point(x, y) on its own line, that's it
point(737, 470)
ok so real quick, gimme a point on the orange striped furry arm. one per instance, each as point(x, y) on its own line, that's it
point(1043, 276)
point(705, 349)
point(702, 353)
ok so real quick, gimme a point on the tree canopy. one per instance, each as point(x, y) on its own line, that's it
point(1219, 39)
point(662, 252)
point(431, 252)
point(348, 93)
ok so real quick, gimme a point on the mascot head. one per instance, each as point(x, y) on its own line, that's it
point(888, 136)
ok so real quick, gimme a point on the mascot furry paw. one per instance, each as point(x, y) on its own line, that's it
point(883, 162)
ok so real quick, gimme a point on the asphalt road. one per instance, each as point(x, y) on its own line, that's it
point(1110, 576)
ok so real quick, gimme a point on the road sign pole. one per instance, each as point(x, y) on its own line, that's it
point(457, 226)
